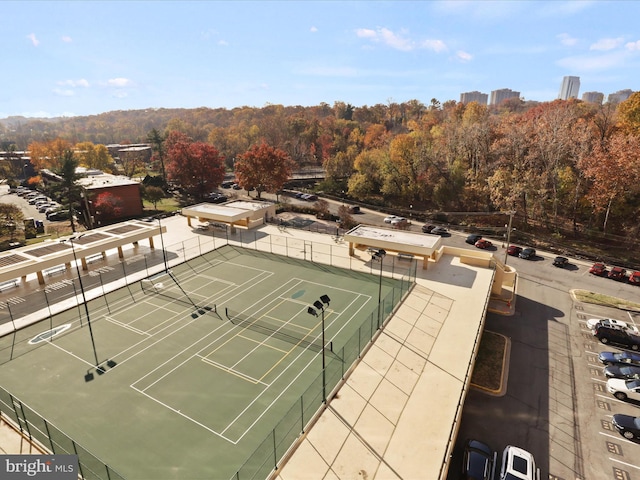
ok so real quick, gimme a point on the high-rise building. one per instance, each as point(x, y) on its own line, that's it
point(593, 97)
point(619, 96)
point(499, 96)
point(570, 88)
point(474, 96)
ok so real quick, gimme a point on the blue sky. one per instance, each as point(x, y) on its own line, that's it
point(88, 57)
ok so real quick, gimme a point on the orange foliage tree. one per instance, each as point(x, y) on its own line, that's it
point(264, 168)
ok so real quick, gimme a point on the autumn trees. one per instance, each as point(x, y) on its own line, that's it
point(196, 166)
point(263, 168)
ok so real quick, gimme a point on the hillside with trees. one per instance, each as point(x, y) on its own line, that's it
point(569, 168)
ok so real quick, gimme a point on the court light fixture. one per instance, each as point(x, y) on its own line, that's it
point(321, 305)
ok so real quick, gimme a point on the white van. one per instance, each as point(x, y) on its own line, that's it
point(518, 464)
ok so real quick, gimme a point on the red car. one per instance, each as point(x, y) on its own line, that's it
point(617, 273)
point(514, 250)
point(598, 269)
point(634, 278)
point(482, 243)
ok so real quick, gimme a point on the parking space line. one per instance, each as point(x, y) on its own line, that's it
point(625, 463)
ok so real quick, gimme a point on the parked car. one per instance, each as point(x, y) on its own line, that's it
point(599, 269)
point(627, 425)
point(623, 389)
point(518, 464)
point(215, 197)
point(58, 215)
point(390, 218)
point(592, 323)
point(634, 278)
point(37, 198)
point(439, 231)
point(426, 228)
point(619, 358)
point(616, 335)
point(227, 184)
point(626, 372)
point(354, 209)
point(479, 461)
point(399, 222)
point(528, 253)
point(560, 262)
point(617, 273)
point(514, 250)
point(483, 243)
point(43, 208)
point(473, 238)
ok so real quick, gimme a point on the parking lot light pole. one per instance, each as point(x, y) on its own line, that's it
point(506, 252)
point(321, 305)
point(84, 298)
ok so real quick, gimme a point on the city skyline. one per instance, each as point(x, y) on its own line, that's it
point(85, 58)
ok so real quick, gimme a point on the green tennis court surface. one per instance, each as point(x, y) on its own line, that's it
point(208, 371)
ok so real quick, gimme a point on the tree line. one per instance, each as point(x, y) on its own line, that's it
point(565, 164)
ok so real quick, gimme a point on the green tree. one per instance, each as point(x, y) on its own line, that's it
point(153, 194)
point(156, 139)
point(68, 189)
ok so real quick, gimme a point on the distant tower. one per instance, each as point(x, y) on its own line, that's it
point(619, 96)
point(468, 97)
point(570, 88)
point(499, 96)
point(593, 97)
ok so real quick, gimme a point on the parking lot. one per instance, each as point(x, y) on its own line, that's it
point(556, 404)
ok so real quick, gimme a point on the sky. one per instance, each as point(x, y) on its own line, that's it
point(88, 57)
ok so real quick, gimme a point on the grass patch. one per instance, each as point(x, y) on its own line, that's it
point(487, 372)
point(164, 205)
point(585, 296)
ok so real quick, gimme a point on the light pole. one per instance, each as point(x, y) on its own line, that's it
point(164, 253)
point(84, 299)
point(379, 255)
point(321, 305)
point(506, 252)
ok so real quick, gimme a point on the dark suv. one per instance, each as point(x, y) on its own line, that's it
point(616, 335)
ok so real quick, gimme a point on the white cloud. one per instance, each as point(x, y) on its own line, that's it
point(118, 82)
point(464, 56)
point(223, 43)
point(34, 40)
point(120, 94)
point(633, 46)
point(66, 39)
point(313, 29)
point(605, 44)
point(400, 41)
point(583, 63)
point(63, 92)
point(74, 83)
point(567, 39)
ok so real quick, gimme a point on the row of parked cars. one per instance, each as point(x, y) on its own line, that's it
point(480, 463)
point(616, 273)
point(622, 369)
point(53, 210)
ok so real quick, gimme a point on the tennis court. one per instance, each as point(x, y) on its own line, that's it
point(208, 370)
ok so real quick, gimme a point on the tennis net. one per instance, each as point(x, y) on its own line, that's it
point(277, 330)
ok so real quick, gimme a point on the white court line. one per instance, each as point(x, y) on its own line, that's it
point(231, 371)
point(125, 325)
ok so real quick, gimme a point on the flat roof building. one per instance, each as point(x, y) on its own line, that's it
point(569, 88)
point(474, 96)
point(593, 97)
point(499, 96)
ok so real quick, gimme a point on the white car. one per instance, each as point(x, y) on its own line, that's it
point(391, 218)
point(399, 221)
point(593, 322)
point(518, 464)
point(623, 389)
